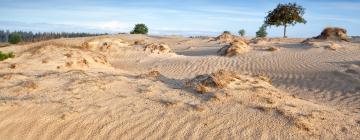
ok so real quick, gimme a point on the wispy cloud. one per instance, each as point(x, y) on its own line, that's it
point(344, 5)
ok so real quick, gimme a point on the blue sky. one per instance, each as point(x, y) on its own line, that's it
point(179, 17)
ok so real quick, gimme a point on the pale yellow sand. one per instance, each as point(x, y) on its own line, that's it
point(63, 89)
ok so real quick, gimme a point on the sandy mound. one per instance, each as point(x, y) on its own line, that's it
point(234, 48)
point(331, 39)
point(211, 83)
point(228, 38)
point(157, 48)
point(53, 57)
point(333, 33)
point(104, 44)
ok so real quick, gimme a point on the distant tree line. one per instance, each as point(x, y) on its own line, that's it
point(25, 36)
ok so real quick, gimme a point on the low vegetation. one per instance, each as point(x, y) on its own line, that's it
point(262, 31)
point(4, 56)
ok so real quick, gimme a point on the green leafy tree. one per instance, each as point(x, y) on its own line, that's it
point(140, 29)
point(285, 15)
point(262, 31)
point(242, 32)
point(14, 38)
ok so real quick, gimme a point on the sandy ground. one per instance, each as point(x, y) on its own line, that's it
point(65, 89)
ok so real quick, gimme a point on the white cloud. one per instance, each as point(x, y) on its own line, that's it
point(111, 26)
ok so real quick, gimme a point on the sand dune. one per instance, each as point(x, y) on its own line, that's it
point(106, 88)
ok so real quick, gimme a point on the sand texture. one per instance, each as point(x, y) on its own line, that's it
point(171, 87)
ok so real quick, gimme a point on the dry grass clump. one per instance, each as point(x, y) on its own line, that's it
point(272, 48)
point(259, 41)
point(13, 66)
point(333, 33)
point(157, 48)
point(227, 37)
point(200, 88)
point(263, 78)
point(153, 75)
point(29, 85)
point(104, 44)
point(139, 42)
point(234, 48)
point(210, 83)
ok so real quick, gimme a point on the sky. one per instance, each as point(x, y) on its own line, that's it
point(173, 17)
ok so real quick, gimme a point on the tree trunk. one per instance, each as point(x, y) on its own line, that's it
point(285, 31)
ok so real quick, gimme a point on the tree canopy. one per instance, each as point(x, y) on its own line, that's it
point(284, 15)
point(140, 29)
point(14, 38)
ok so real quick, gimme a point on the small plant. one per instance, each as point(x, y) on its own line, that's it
point(4, 56)
point(262, 31)
point(242, 32)
point(14, 38)
point(226, 32)
point(140, 29)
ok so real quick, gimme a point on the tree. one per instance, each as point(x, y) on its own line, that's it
point(242, 32)
point(262, 31)
point(140, 29)
point(14, 38)
point(284, 15)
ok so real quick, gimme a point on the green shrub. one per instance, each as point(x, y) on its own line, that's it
point(4, 56)
point(14, 38)
point(262, 31)
point(226, 32)
point(242, 32)
point(140, 29)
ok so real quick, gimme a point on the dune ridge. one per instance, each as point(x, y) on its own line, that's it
point(126, 93)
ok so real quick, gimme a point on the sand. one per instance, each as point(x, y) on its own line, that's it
point(110, 88)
